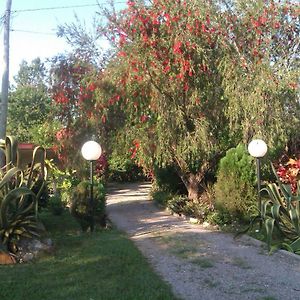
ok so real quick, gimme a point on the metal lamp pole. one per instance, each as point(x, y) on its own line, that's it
point(91, 151)
point(258, 149)
point(91, 204)
point(258, 181)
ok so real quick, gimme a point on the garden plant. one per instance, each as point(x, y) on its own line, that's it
point(20, 191)
point(281, 207)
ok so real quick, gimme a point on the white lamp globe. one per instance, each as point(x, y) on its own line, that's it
point(257, 148)
point(91, 150)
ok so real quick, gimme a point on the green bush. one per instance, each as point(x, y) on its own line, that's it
point(56, 205)
point(85, 212)
point(218, 217)
point(124, 170)
point(178, 204)
point(181, 204)
point(234, 190)
point(62, 181)
point(167, 179)
point(161, 197)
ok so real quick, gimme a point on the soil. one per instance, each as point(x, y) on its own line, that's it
point(201, 263)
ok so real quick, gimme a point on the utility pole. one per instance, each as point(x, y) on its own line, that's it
point(5, 74)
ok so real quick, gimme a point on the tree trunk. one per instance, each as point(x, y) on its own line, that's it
point(192, 181)
point(193, 187)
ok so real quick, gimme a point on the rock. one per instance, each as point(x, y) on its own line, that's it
point(48, 242)
point(31, 248)
point(194, 220)
point(206, 224)
point(27, 257)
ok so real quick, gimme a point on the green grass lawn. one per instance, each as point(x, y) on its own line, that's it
point(103, 265)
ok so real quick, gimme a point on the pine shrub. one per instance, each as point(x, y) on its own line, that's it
point(235, 194)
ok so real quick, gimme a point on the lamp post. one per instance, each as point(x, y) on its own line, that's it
point(91, 151)
point(258, 149)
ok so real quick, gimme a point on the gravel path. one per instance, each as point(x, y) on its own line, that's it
point(200, 263)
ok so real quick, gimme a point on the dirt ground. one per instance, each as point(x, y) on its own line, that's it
point(200, 263)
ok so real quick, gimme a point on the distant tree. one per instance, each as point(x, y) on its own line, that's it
point(75, 83)
point(29, 103)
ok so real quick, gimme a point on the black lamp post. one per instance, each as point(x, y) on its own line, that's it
point(91, 151)
point(258, 149)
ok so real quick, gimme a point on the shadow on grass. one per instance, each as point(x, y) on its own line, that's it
point(102, 265)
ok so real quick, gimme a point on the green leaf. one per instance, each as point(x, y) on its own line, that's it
point(269, 225)
point(11, 196)
point(295, 246)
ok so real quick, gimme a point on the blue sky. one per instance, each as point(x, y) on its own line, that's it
point(34, 32)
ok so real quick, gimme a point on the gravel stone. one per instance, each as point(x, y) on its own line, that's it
point(197, 261)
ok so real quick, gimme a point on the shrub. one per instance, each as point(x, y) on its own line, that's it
point(167, 179)
point(234, 190)
point(124, 170)
point(181, 204)
point(218, 217)
point(56, 205)
point(178, 204)
point(85, 212)
point(62, 182)
point(161, 197)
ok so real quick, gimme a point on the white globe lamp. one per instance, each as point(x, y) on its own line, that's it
point(257, 148)
point(91, 150)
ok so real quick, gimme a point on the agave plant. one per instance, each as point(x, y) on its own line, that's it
point(280, 208)
point(19, 194)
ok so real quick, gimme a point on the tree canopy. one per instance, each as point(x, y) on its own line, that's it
point(29, 103)
point(196, 77)
point(183, 82)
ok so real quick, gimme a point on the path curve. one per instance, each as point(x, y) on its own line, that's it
point(199, 263)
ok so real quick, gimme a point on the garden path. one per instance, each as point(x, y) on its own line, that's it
point(199, 263)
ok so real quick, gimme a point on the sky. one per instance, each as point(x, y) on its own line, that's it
point(33, 33)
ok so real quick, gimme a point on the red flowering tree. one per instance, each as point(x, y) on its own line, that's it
point(73, 90)
point(193, 77)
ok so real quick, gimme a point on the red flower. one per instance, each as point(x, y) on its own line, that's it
point(177, 47)
point(186, 87)
point(92, 87)
point(144, 118)
point(122, 54)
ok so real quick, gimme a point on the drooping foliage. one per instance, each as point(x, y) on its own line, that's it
point(188, 80)
point(195, 77)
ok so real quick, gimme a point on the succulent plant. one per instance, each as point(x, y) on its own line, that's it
point(20, 190)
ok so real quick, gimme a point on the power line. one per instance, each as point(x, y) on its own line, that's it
point(33, 32)
point(52, 8)
point(59, 7)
